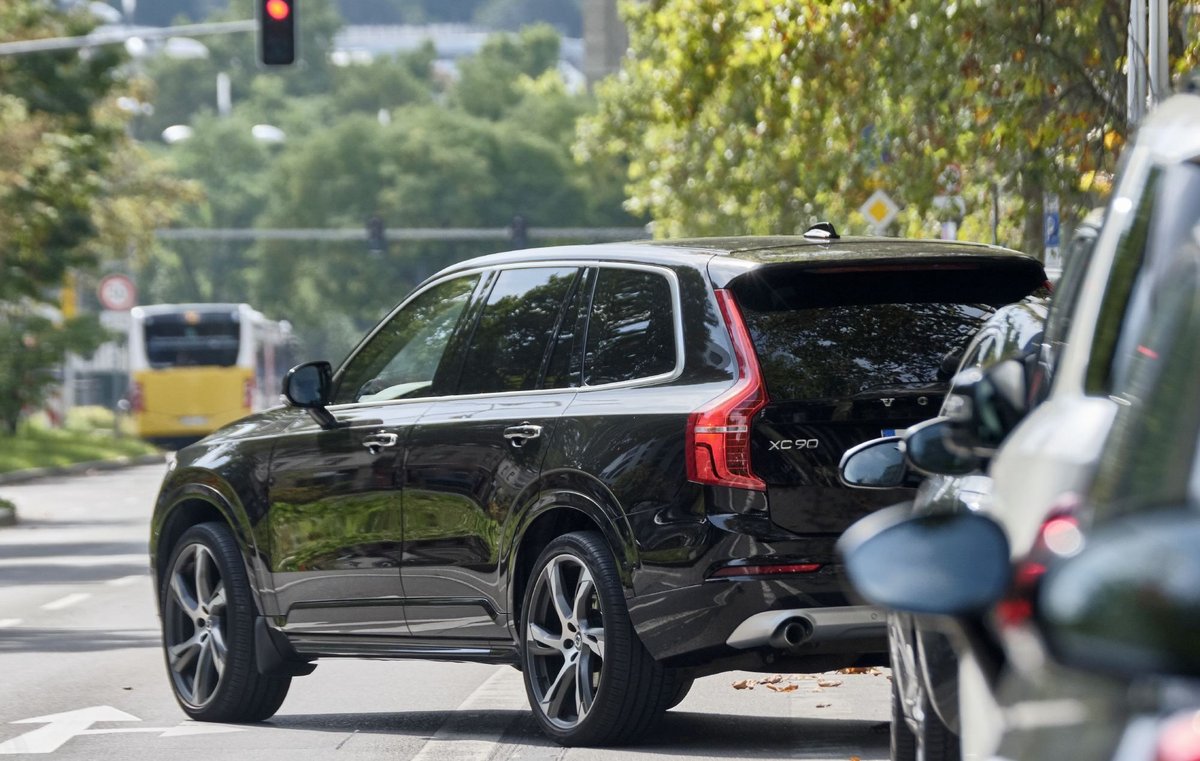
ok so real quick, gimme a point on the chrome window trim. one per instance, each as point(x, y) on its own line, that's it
point(650, 380)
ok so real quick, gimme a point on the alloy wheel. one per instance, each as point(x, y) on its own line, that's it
point(565, 641)
point(195, 625)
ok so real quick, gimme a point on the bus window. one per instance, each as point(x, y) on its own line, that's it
point(174, 342)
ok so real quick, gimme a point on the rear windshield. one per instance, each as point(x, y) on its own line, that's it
point(172, 341)
point(841, 351)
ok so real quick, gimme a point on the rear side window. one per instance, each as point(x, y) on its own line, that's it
point(838, 351)
point(512, 339)
point(631, 331)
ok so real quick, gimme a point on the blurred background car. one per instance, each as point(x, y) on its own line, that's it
point(1112, 327)
point(925, 716)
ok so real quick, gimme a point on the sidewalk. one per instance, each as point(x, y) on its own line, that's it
point(21, 476)
point(8, 515)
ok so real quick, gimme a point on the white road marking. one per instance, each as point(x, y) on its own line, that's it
point(460, 738)
point(125, 581)
point(61, 727)
point(78, 561)
point(66, 602)
point(8, 623)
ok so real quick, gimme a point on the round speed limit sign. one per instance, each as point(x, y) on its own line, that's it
point(117, 292)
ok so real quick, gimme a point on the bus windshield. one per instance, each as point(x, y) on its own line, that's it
point(210, 340)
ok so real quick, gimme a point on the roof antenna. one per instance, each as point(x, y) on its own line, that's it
point(823, 231)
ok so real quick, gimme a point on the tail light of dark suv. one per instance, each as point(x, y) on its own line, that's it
point(718, 434)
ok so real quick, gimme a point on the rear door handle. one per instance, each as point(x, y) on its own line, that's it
point(378, 441)
point(519, 434)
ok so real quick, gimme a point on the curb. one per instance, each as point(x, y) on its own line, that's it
point(32, 474)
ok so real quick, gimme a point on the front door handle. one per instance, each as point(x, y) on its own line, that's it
point(378, 441)
point(519, 434)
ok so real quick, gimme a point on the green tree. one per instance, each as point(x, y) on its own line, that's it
point(74, 192)
point(760, 116)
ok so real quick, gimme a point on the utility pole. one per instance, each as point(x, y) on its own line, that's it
point(1135, 63)
point(1147, 70)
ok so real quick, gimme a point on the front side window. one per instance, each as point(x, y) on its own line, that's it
point(401, 360)
point(631, 330)
point(511, 341)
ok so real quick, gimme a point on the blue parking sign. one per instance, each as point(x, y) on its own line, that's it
point(1052, 231)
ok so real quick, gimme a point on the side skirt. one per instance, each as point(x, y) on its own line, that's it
point(340, 646)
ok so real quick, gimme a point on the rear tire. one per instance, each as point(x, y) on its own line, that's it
point(589, 679)
point(208, 631)
point(933, 741)
point(683, 685)
point(903, 741)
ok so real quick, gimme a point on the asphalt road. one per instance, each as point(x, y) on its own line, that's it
point(82, 675)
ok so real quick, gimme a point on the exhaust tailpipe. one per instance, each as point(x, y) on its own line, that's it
point(792, 633)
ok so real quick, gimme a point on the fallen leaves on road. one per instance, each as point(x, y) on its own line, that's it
point(785, 688)
point(790, 682)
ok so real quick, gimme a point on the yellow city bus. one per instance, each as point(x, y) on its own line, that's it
point(195, 367)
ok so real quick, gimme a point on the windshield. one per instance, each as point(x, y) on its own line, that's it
point(837, 352)
point(173, 341)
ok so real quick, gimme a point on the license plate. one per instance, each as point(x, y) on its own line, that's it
point(193, 420)
point(893, 432)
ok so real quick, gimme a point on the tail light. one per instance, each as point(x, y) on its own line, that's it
point(1180, 739)
point(248, 393)
point(768, 569)
point(718, 435)
point(137, 397)
point(1059, 536)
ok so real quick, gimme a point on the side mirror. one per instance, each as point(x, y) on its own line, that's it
point(983, 407)
point(1129, 601)
point(926, 450)
point(876, 464)
point(953, 564)
point(308, 387)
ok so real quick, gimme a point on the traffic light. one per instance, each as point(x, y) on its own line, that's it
point(277, 32)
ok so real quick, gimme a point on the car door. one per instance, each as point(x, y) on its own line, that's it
point(472, 458)
point(335, 521)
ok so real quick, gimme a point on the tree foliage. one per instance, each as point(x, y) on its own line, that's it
point(75, 191)
point(389, 139)
point(761, 116)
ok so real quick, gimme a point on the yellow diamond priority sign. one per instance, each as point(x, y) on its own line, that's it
point(879, 210)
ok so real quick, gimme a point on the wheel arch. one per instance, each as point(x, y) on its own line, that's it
point(558, 509)
point(191, 504)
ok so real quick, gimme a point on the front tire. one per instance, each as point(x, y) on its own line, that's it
point(589, 679)
point(208, 631)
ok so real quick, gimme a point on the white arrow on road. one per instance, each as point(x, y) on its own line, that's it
point(61, 727)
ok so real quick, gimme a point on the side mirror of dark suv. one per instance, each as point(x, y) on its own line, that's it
point(308, 386)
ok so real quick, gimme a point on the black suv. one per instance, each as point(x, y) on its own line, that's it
point(612, 466)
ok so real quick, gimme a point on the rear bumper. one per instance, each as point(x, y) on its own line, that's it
point(718, 619)
point(793, 628)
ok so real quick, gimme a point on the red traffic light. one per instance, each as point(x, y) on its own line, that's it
point(278, 9)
